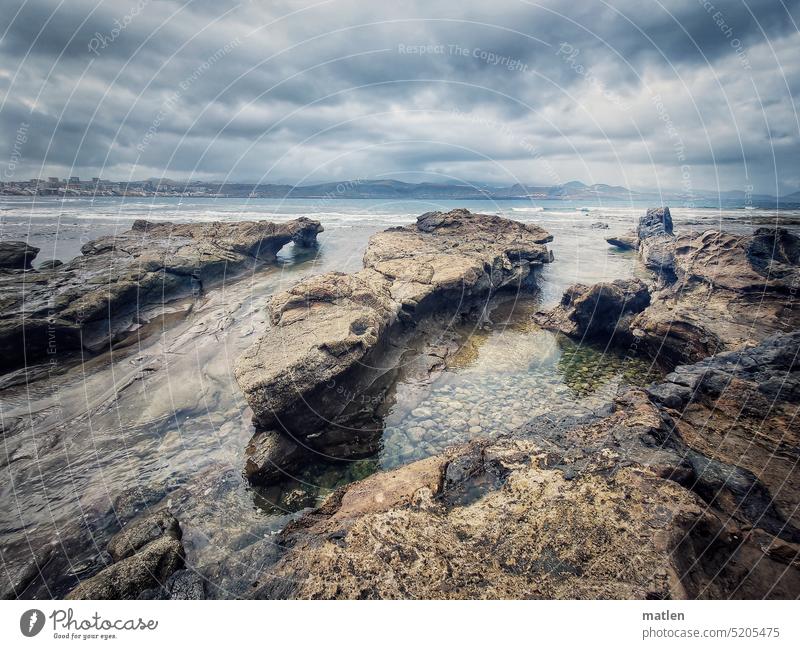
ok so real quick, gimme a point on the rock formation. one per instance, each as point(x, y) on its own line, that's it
point(16, 255)
point(318, 372)
point(729, 291)
point(146, 553)
point(711, 292)
point(111, 286)
point(598, 312)
point(679, 493)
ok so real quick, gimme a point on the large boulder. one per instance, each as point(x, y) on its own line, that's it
point(599, 312)
point(120, 279)
point(16, 255)
point(329, 341)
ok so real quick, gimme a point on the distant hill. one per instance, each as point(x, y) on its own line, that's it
point(791, 199)
point(574, 190)
point(396, 189)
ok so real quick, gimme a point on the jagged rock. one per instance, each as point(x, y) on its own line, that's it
point(716, 291)
point(330, 336)
point(636, 504)
point(127, 579)
point(654, 239)
point(737, 408)
point(598, 312)
point(729, 292)
point(119, 280)
point(139, 533)
point(16, 255)
point(655, 223)
point(656, 242)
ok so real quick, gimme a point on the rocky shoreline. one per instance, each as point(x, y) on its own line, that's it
point(122, 280)
point(687, 488)
point(710, 292)
point(623, 506)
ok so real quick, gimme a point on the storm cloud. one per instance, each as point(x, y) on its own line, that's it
point(642, 93)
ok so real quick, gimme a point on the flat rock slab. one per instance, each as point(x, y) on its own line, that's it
point(118, 278)
point(329, 336)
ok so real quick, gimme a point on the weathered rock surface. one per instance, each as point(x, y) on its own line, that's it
point(652, 238)
point(139, 533)
point(739, 408)
point(656, 222)
point(16, 255)
point(601, 311)
point(624, 506)
point(119, 280)
point(316, 375)
point(146, 553)
point(656, 241)
point(712, 292)
point(729, 291)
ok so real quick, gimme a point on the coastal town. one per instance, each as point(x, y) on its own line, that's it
point(75, 186)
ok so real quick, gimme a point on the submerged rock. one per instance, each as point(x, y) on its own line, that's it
point(139, 533)
point(635, 504)
point(119, 279)
point(146, 552)
point(318, 372)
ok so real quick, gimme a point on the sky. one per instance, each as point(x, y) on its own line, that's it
point(685, 94)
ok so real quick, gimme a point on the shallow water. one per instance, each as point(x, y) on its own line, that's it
point(163, 416)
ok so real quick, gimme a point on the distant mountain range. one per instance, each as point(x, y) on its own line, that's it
point(398, 190)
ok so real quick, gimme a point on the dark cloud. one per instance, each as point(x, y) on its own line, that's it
point(629, 90)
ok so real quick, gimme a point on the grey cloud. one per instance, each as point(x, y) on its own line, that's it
point(302, 89)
